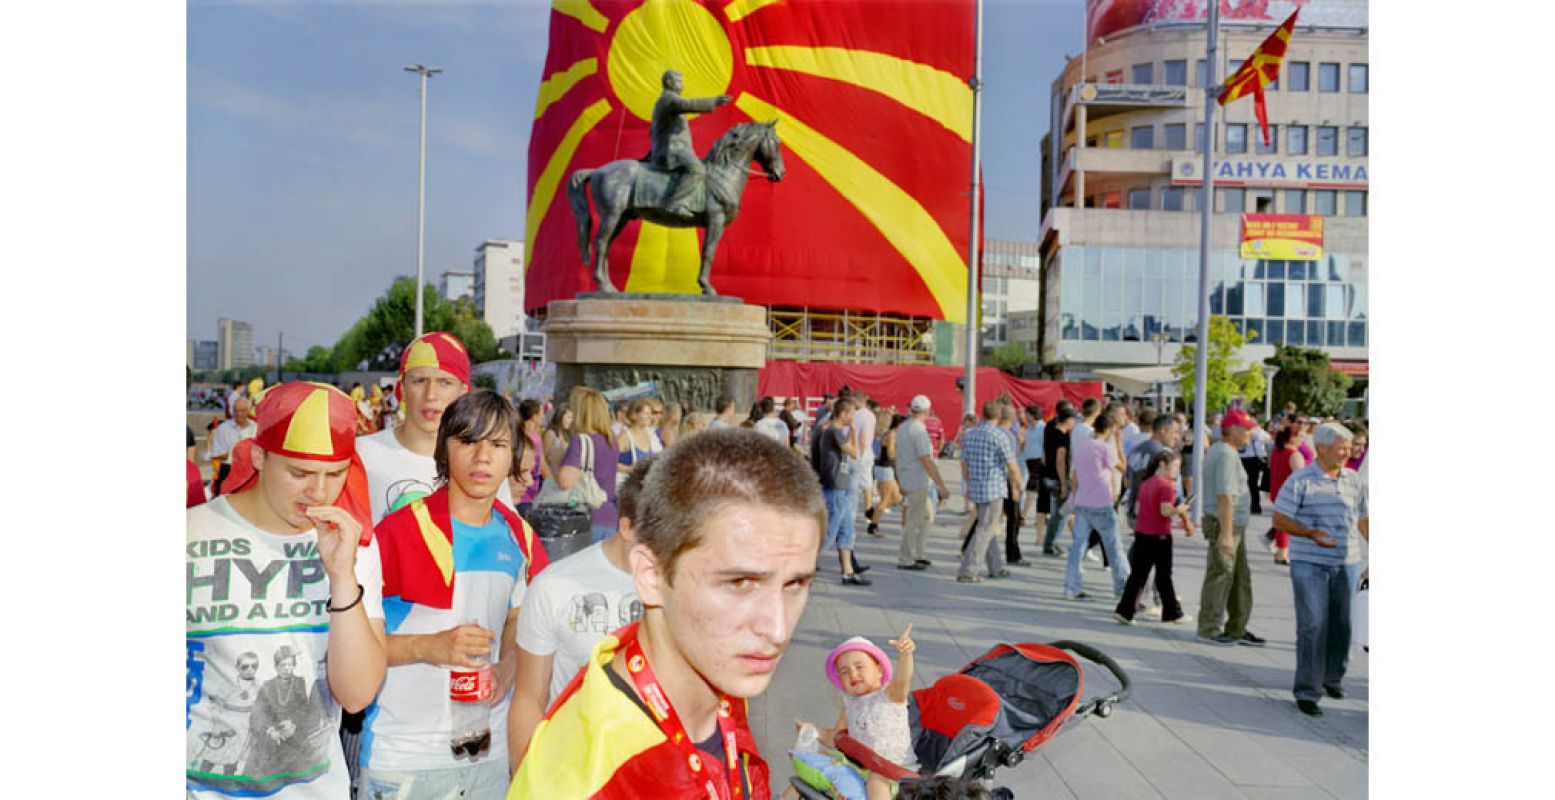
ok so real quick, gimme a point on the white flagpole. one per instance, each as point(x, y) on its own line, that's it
point(1207, 207)
point(969, 396)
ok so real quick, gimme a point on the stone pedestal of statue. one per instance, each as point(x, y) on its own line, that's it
point(696, 347)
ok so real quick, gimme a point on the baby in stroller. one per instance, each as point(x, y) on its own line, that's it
point(874, 704)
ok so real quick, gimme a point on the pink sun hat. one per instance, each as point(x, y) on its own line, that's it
point(862, 645)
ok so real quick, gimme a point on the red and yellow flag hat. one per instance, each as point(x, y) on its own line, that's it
point(311, 421)
point(441, 350)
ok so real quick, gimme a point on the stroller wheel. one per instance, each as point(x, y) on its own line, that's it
point(1012, 758)
point(1104, 710)
point(1002, 793)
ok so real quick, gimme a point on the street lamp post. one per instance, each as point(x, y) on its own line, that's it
point(1160, 345)
point(1269, 371)
point(421, 187)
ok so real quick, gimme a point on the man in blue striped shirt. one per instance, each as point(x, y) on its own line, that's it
point(1323, 507)
point(988, 476)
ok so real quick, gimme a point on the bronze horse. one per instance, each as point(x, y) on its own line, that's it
point(627, 189)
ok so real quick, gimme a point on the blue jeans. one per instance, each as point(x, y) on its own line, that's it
point(840, 505)
point(1322, 594)
point(1105, 522)
point(601, 533)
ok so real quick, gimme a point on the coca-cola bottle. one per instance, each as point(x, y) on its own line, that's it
point(469, 699)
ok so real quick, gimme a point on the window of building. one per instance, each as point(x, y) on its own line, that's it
point(1142, 137)
point(1327, 140)
point(1358, 78)
point(1112, 140)
point(1144, 73)
point(1177, 72)
point(1355, 204)
point(1355, 142)
point(1295, 201)
point(1139, 199)
point(1114, 200)
point(1276, 299)
point(1262, 200)
point(1233, 200)
point(1335, 333)
point(1273, 331)
point(1232, 65)
point(1174, 136)
point(1201, 73)
point(1300, 73)
point(1315, 296)
point(1327, 77)
point(1274, 140)
point(1296, 270)
point(1115, 76)
point(1236, 137)
point(1357, 337)
point(1255, 330)
point(1296, 139)
point(1198, 136)
point(1172, 198)
point(1325, 202)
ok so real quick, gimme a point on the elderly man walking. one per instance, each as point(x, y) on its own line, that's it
point(1323, 506)
point(915, 469)
point(1228, 583)
point(989, 475)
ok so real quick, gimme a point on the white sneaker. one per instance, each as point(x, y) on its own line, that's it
point(1090, 555)
point(1153, 612)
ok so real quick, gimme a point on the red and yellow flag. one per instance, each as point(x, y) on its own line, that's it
point(1261, 69)
point(875, 117)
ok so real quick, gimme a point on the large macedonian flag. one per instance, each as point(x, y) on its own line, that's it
point(874, 112)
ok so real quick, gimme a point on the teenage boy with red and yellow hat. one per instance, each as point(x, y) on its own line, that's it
point(434, 372)
point(282, 580)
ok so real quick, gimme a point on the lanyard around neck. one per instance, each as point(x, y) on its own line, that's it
point(669, 722)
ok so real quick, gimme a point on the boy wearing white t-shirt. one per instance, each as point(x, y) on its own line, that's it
point(284, 617)
point(455, 565)
point(567, 611)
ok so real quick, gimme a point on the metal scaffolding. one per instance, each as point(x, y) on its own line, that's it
point(850, 337)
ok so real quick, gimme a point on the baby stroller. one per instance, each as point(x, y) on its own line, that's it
point(1004, 704)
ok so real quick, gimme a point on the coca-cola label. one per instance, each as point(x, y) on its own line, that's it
point(470, 685)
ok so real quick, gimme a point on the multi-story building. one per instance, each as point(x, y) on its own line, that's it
point(499, 285)
point(456, 285)
point(234, 344)
point(1122, 179)
point(205, 355)
point(1011, 281)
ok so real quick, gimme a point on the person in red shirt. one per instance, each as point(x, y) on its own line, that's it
point(1286, 459)
point(1156, 506)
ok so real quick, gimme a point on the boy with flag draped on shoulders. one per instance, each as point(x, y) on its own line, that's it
point(729, 530)
point(284, 610)
point(456, 564)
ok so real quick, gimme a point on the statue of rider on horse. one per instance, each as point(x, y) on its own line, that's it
point(663, 188)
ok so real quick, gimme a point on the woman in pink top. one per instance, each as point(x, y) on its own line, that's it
point(1095, 462)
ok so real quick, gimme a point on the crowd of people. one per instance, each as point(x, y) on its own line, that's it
point(341, 570)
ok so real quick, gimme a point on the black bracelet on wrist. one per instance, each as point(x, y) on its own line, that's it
point(359, 593)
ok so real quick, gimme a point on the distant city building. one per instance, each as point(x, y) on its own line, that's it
point(234, 344)
point(1011, 278)
point(205, 355)
point(266, 357)
point(499, 285)
point(455, 285)
point(1122, 172)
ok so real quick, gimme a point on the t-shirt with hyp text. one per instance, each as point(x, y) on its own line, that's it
point(260, 720)
point(571, 606)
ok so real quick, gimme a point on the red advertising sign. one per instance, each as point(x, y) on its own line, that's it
point(1282, 237)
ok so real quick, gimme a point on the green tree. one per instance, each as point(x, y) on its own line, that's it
point(1306, 379)
point(1009, 357)
point(1229, 377)
point(392, 321)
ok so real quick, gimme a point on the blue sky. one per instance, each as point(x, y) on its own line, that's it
point(302, 131)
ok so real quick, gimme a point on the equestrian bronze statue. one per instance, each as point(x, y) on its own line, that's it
point(672, 187)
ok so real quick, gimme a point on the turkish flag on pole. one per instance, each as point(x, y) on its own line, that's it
point(1261, 69)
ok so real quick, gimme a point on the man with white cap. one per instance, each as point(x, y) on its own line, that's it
point(915, 468)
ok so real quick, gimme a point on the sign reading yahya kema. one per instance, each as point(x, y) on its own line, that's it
point(874, 112)
point(1282, 237)
point(1316, 173)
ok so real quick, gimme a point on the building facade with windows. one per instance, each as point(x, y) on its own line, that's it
point(234, 344)
point(1011, 283)
point(1122, 179)
point(454, 285)
point(499, 285)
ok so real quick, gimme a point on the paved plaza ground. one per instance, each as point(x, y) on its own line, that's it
point(1205, 721)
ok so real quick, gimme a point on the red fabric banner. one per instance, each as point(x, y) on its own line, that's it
point(874, 114)
point(892, 385)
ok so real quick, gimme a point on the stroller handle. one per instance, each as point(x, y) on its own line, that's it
point(1101, 705)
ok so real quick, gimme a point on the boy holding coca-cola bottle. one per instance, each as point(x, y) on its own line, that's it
point(456, 564)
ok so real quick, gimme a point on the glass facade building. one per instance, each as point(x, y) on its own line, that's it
point(1117, 294)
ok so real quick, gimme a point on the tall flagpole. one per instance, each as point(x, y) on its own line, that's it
point(969, 396)
point(1206, 208)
